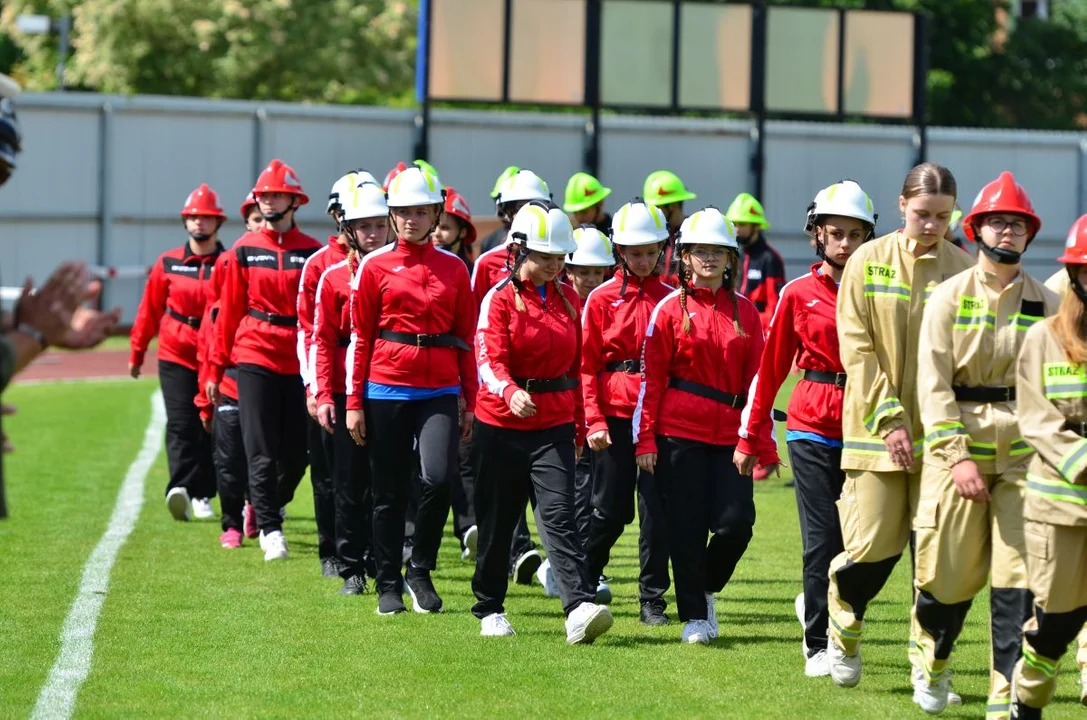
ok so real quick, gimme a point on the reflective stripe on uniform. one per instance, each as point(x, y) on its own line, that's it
point(1019, 447)
point(1042, 665)
point(1057, 490)
point(1073, 462)
point(945, 429)
point(882, 279)
point(982, 451)
point(1064, 380)
point(1023, 321)
point(885, 408)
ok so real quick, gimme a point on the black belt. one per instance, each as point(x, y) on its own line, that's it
point(193, 322)
point(1079, 428)
point(984, 394)
point(827, 378)
point(424, 341)
point(625, 366)
point(344, 342)
point(273, 319)
point(710, 393)
point(545, 385)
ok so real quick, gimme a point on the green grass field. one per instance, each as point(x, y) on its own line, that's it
point(191, 630)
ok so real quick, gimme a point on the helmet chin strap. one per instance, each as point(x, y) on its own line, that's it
point(821, 252)
point(999, 255)
point(1073, 281)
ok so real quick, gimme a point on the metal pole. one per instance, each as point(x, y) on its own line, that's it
point(920, 83)
point(758, 96)
point(421, 141)
point(593, 24)
point(64, 29)
point(105, 209)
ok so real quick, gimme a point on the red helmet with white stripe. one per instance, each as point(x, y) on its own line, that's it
point(280, 177)
point(457, 206)
point(203, 201)
point(1075, 247)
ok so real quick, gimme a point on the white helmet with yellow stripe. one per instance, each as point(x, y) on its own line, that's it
point(542, 227)
point(637, 223)
point(708, 226)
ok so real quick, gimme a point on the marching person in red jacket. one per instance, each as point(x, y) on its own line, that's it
point(172, 307)
point(531, 423)
point(409, 368)
point(258, 332)
point(702, 350)
point(805, 328)
point(320, 452)
point(613, 330)
point(359, 208)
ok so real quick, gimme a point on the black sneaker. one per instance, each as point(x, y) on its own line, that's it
point(424, 597)
point(354, 585)
point(526, 566)
point(333, 568)
point(390, 603)
point(653, 615)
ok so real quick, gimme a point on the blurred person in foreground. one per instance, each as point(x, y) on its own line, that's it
point(49, 315)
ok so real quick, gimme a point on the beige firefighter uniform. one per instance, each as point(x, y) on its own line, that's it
point(1053, 419)
point(1058, 282)
point(880, 302)
point(970, 339)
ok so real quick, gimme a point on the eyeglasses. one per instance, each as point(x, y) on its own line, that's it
point(709, 253)
point(999, 225)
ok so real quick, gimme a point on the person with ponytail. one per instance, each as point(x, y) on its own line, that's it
point(613, 330)
point(804, 329)
point(884, 288)
point(359, 208)
point(320, 450)
point(702, 349)
point(172, 307)
point(530, 425)
point(1051, 379)
point(969, 521)
point(409, 373)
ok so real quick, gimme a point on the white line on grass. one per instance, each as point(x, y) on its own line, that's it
point(73, 664)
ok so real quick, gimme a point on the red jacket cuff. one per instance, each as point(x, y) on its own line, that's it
point(645, 446)
point(748, 447)
point(136, 358)
point(508, 391)
point(354, 402)
point(216, 372)
point(599, 426)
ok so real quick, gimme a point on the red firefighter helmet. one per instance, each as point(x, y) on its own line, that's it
point(249, 203)
point(280, 177)
point(203, 201)
point(1003, 195)
point(1075, 247)
point(457, 206)
point(397, 169)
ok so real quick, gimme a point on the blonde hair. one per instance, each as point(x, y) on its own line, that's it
point(929, 179)
point(1070, 328)
point(519, 302)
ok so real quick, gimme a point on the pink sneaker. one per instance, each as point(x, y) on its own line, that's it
point(249, 522)
point(761, 473)
point(231, 539)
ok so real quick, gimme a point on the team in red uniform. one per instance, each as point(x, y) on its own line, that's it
point(172, 308)
point(701, 352)
point(531, 422)
point(358, 206)
point(258, 332)
point(804, 328)
point(614, 326)
point(409, 368)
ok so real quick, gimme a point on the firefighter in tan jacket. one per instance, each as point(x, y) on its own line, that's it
point(883, 291)
point(970, 518)
point(1052, 381)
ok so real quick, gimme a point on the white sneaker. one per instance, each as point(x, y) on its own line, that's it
point(587, 622)
point(547, 579)
point(845, 670)
point(177, 502)
point(931, 697)
point(470, 542)
point(711, 614)
point(274, 545)
point(818, 665)
point(495, 625)
point(1083, 688)
point(697, 631)
point(798, 608)
point(202, 510)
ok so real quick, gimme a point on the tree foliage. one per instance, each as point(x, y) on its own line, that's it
point(348, 51)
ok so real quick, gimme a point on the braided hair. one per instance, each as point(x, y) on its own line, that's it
point(732, 273)
point(519, 260)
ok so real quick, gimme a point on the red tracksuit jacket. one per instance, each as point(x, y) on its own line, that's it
point(205, 341)
point(315, 266)
point(489, 270)
point(411, 288)
point(613, 330)
point(173, 305)
point(712, 355)
point(804, 327)
point(332, 332)
point(264, 279)
point(541, 343)
point(763, 277)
